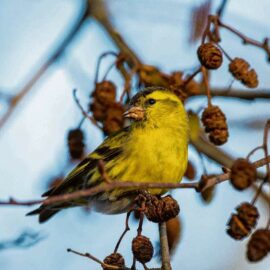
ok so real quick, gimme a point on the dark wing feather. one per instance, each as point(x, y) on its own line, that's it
point(81, 176)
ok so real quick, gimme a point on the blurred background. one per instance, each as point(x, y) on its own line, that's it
point(33, 144)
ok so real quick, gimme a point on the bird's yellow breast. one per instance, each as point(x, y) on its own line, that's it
point(155, 155)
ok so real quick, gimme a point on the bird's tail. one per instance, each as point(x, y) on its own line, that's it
point(44, 212)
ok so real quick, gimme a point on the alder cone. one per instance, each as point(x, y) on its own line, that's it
point(161, 210)
point(243, 174)
point(142, 249)
point(258, 245)
point(170, 209)
point(179, 88)
point(251, 79)
point(75, 143)
point(98, 110)
point(240, 69)
point(114, 120)
point(105, 92)
point(241, 224)
point(115, 259)
point(210, 56)
point(214, 121)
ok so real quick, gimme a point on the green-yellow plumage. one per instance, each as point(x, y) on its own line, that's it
point(152, 149)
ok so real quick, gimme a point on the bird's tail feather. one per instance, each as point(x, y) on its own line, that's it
point(44, 213)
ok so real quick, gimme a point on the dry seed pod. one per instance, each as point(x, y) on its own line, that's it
point(105, 92)
point(182, 90)
point(243, 174)
point(250, 79)
point(170, 209)
point(114, 120)
point(239, 68)
point(75, 143)
point(258, 245)
point(98, 110)
point(115, 259)
point(249, 214)
point(160, 210)
point(142, 249)
point(210, 56)
point(241, 224)
point(214, 121)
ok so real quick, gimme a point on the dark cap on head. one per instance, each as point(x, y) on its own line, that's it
point(145, 92)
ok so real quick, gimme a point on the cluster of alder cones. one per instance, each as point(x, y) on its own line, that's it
point(214, 120)
point(241, 223)
point(156, 210)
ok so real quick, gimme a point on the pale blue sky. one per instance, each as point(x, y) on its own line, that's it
point(33, 143)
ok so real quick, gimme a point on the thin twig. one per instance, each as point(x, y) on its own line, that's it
point(222, 7)
point(105, 187)
point(124, 232)
point(93, 258)
point(246, 40)
point(97, 9)
point(85, 114)
point(206, 84)
point(165, 253)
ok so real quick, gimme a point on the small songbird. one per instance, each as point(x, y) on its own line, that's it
point(153, 148)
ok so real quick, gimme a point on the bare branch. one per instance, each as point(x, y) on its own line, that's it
point(165, 253)
point(35, 77)
point(127, 185)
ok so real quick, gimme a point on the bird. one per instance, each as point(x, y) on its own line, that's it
point(152, 148)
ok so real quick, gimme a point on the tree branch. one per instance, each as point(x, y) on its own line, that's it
point(165, 253)
point(237, 93)
point(108, 186)
point(44, 67)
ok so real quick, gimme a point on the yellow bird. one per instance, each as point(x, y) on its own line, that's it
point(154, 148)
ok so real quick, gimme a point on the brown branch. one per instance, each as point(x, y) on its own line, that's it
point(237, 93)
point(127, 185)
point(44, 67)
point(93, 258)
point(108, 266)
point(84, 113)
point(97, 10)
point(101, 188)
point(246, 40)
point(165, 253)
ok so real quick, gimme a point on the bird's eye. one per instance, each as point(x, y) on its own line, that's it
point(151, 101)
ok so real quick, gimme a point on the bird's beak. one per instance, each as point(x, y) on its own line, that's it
point(136, 113)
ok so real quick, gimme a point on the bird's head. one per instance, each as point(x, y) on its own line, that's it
point(156, 107)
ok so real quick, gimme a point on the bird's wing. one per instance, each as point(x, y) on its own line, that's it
point(86, 174)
